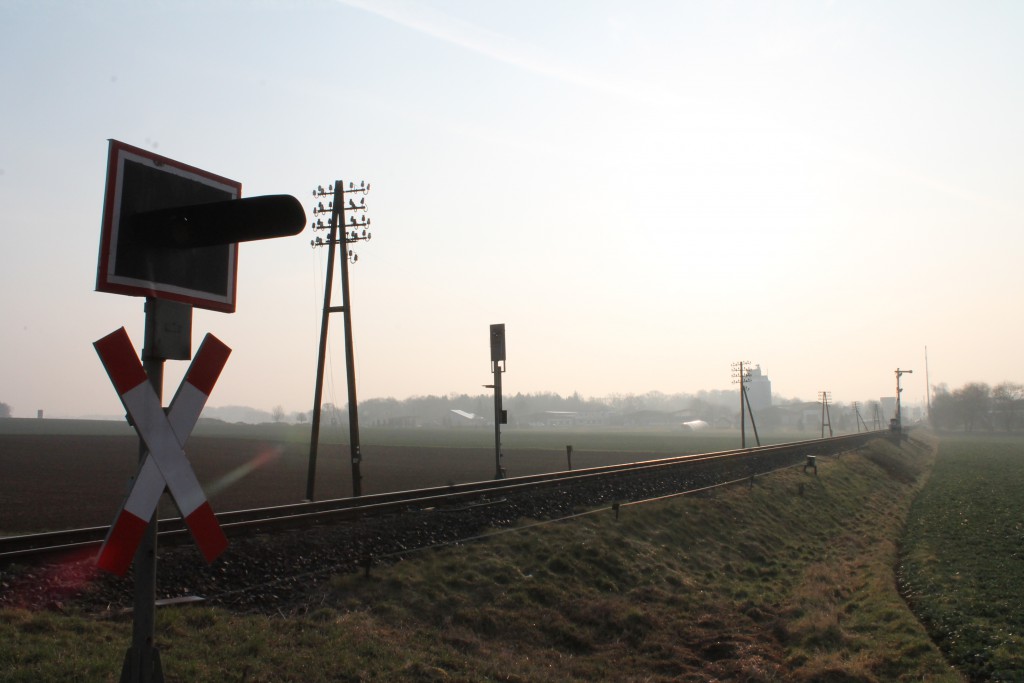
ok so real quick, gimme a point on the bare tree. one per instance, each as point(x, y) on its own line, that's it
point(1007, 402)
point(974, 403)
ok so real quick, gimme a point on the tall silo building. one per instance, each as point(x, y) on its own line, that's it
point(759, 390)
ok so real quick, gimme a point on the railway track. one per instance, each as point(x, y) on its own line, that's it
point(453, 497)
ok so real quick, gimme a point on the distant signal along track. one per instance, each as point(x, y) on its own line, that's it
point(300, 515)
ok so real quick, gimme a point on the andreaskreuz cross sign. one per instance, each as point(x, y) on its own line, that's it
point(164, 435)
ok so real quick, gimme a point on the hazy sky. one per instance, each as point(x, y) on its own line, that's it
point(642, 192)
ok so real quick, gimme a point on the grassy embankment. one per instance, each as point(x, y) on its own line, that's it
point(963, 560)
point(789, 580)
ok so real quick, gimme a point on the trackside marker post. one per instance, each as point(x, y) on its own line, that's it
point(164, 435)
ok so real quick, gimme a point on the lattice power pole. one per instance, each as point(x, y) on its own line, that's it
point(825, 397)
point(860, 420)
point(357, 229)
point(741, 376)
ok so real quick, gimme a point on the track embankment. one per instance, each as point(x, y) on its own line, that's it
point(790, 579)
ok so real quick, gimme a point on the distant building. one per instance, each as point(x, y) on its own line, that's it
point(464, 418)
point(888, 404)
point(759, 390)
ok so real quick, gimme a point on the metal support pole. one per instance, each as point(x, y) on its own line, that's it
point(499, 471)
point(142, 661)
point(899, 410)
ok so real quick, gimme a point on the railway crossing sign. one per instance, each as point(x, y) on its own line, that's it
point(170, 233)
point(164, 435)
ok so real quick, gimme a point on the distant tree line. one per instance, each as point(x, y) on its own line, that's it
point(977, 406)
point(522, 407)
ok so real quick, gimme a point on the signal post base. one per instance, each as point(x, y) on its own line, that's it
point(142, 664)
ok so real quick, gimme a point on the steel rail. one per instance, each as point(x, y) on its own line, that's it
point(341, 509)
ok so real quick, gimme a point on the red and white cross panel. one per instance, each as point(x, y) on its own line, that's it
point(164, 434)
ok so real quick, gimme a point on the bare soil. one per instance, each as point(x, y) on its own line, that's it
point(51, 482)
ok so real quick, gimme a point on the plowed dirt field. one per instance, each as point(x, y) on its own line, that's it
point(51, 482)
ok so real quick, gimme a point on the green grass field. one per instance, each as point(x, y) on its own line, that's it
point(963, 557)
point(791, 580)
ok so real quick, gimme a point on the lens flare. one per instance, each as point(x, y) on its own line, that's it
point(51, 585)
point(264, 458)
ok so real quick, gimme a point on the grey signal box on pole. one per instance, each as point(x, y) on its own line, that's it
point(500, 415)
point(498, 342)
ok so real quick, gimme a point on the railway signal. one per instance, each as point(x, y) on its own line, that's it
point(500, 415)
point(898, 423)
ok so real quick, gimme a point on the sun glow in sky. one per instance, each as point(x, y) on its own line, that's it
point(642, 192)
